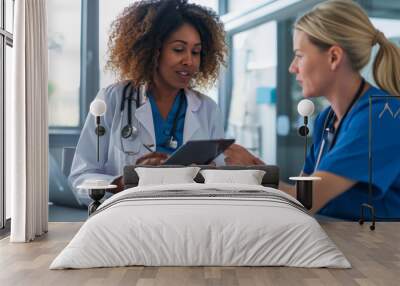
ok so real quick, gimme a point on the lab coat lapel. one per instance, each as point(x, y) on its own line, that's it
point(145, 117)
point(192, 123)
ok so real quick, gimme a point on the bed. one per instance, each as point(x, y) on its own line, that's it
point(201, 224)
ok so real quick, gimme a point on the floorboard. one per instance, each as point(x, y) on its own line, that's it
point(374, 255)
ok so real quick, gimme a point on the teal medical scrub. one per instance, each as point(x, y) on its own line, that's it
point(164, 128)
point(348, 157)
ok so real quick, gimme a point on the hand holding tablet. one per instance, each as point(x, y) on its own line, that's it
point(199, 152)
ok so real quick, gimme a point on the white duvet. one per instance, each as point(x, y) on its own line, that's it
point(185, 230)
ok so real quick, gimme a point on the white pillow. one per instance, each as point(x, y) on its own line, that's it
point(248, 177)
point(164, 176)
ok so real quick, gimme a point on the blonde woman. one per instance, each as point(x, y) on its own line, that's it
point(332, 43)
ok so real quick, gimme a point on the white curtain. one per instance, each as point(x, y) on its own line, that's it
point(27, 133)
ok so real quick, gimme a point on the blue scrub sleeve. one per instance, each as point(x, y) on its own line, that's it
point(349, 157)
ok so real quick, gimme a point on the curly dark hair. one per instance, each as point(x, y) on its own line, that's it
point(138, 34)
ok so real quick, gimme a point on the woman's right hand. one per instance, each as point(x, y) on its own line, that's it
point(154, 158)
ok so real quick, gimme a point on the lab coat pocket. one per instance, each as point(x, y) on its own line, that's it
point(130, 150)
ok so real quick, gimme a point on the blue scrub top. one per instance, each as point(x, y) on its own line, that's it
point(163, 128)
point(349, 157)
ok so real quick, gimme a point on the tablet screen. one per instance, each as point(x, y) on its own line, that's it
point(199, 152)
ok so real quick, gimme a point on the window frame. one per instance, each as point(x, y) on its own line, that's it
point(60, 136)
point(234, 22)
point(290, 147)
point(6, 39)
point(282, 12)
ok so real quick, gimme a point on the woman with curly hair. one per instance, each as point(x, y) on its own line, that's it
point(160, 50)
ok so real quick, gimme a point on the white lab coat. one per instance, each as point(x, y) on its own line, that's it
point(203, 121)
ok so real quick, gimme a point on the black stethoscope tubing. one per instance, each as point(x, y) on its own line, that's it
point(330, 119)
point(128, 130)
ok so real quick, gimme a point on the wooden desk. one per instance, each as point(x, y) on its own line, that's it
point(374, 255)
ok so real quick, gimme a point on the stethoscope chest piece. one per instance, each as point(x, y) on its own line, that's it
point(172, 143)
point(128, 131)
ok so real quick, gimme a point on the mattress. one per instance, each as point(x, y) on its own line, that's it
point(201, 225)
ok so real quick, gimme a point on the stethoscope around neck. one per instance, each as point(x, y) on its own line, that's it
point(329, 133)
point(130, 131)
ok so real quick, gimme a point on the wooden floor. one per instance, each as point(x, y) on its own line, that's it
point(375, 257)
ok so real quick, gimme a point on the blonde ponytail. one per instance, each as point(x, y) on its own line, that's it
point(386, 67)
point(345, 23)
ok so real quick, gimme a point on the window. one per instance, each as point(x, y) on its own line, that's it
point(2, 137)
point(64, 32)
point(240, 5)
point(213, 4)
point(108, 12)
point(253, 106)
point(8, 71)
point(6, 43)
point(9, 12)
